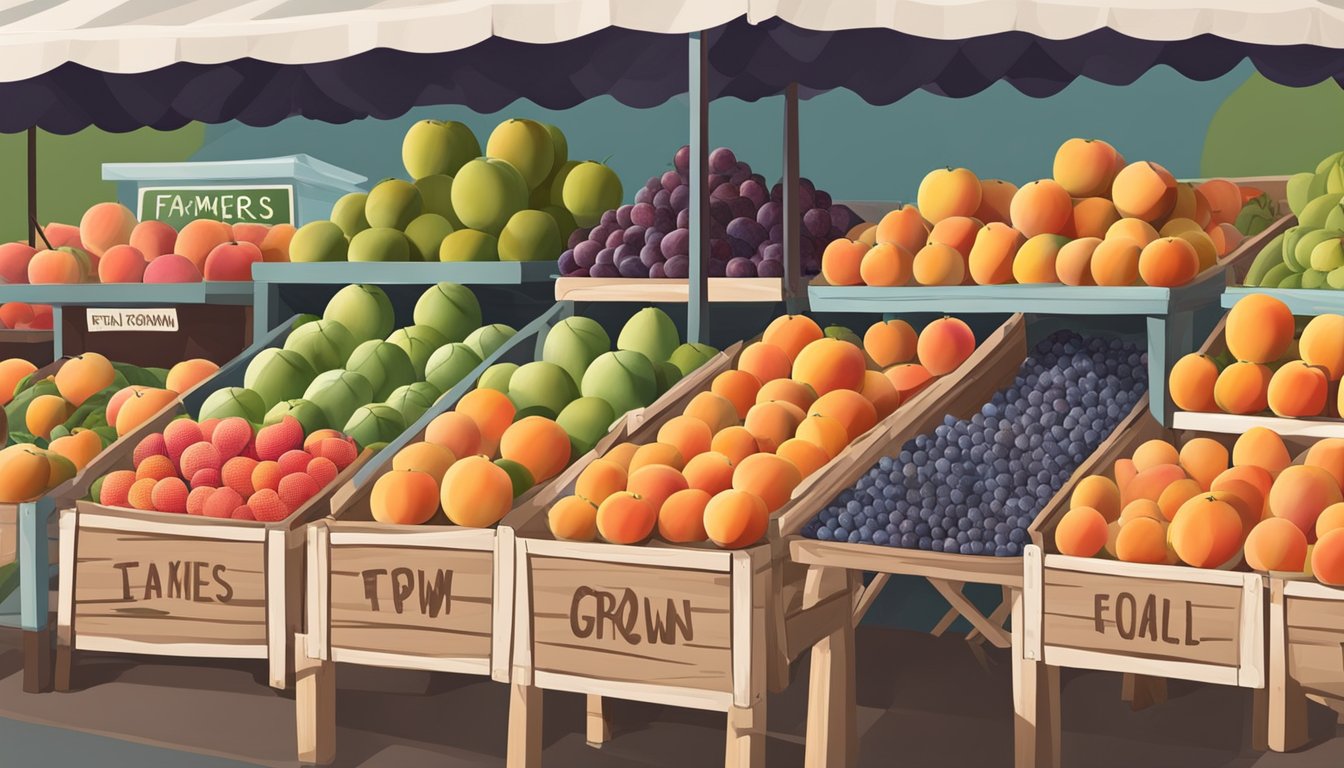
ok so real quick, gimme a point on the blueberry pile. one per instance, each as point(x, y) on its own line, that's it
point(974, 485)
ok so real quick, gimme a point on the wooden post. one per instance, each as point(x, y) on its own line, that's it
point(524, 749)
point(34, 586)
point(794, 289)
point(65, 630)
point(314, 705)
point(745, 746)
point(599, 732)
point(1035, 702)
point(832, 733)
point(32, 187)
point(1169, 338)
point(697, 303)
point(1286, 704)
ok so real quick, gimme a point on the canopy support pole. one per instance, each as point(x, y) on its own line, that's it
point(697, 303)
point(793, 271)
point(32, 187)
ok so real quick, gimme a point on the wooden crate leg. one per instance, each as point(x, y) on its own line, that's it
point(37, 661)
point(65, 659)
point(746, 737)
point(524, 750)
point(1036, 728)
point(832, 731)
point(1286, 704)
point(599, 732)
point(314, 705)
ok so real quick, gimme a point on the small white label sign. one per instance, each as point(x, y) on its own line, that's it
point(132, 319)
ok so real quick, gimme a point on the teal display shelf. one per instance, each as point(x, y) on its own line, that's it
point(130, 294)
point(410, 273)
point(1301, 301)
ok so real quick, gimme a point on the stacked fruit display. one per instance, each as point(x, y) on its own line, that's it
point(518, 202)
point(1206, 507)
point(795, 400)
point(524, 424)
point(16, 315)
point(975, 485)
point(1268, 365)
point(351, 371)
point(1098, 221)
point(1310, 254)
point(71, 416)
point(111, 246)
point(651, 237)
point(227, 468)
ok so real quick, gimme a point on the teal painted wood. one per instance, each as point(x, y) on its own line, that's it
point(34, 562)
point(231, 373)
point(131, 294)
point(1301, 301)
point(406, 273)
point(523, 347)
point(1045, 299)
point(265, 308)
point(57, 334)
point(697, 301)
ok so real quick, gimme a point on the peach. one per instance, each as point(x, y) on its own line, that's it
point(908, 379)
point(717, 411)
point(806, 456)
point(275, 245)
point(1085, 167)
point(1224, 200)
point(1327, 559)
point(83, 376)
point(765, 361)
point(828, 433)
point(1093, 217)
point(1081, 532)
point(768, 477)
point(1204, 459)
point(1192, 382)
point(1245, 498)
point(105, 225)
point(791, 333)
point(996, 201)
point(689, 435)
point(573, 519)
point(433, 460)
point(948, 192)
point(735, 519)
point(1138, 231)
point(787, 390)
point(1154, 452)
point(739, 387)
point(841, 260)
point(476, 492)
point(991, 256)
point(886, 264)
point(12, 371)
point(198, 238)
point(681, 519)
point(1205, 249)
point(1144, 190)
point(710, 471)
point(1261, 447)
point(1115, 261)
point(1300, 493)
point(1073, 263)
point(122, 264)
point(1331, 518)
point(537, 443)
point(600, 479)
point(1142, 541)
point(1098, 492)
point(734, 442)
point(1243, 388)
point(1206, 532)
point(1226, 238)
point(879, 391)
point(1041, 208)
point(1328, 454)
point(903, 227)
point(1255, 477)
point(1150, 483)
point(492, 411)
point(1035, 262)
point(625, 518)
point(14, 258)
point(231, 260)
point(1298, 390)
point(172, 268)
point(1320, 344)
point(250, 232)
point(655, 453)
point(153, 239)
point(457, 432)
point(55, 267)
point(944, 345)
point(771, 423)
point(655, 483)
point(957, 233)
point(830, 364)
point(1173, 496)
point(938, 264)
point(1276, 545)
point(1168, 262)
point(61, 235)
point(854, 411)
point(890, 342)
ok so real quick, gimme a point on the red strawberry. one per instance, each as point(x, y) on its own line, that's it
point(205, 478)
point(243, 512)
point(341, 451)
point(150, 445)
point(267, 506)
point(178, 435)
point(199, 456)
point(231, 436)
point(275, 440)
point(197, 498)
point(169, 495)
point(222, 503)
point(297, 489)
point(208, 428)
point(323, 470)
point(294, 461)
point(320, 434)
point(116, 490)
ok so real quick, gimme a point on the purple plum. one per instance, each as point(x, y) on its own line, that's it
point(740, 267)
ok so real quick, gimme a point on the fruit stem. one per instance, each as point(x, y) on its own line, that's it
point(40, 232)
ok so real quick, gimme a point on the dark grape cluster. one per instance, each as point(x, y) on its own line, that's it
point(651, 237)
point(975, 485)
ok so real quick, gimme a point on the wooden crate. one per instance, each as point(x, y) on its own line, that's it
point(1168, 621)
point(167, 584)
point(1306, 656)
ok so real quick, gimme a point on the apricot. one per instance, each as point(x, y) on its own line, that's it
point(1224, 200)
point(622, 454)
point(1041, 208)
point(655, 483)
point(1073, 263)
point(188, 373)
point(996, 201)
point(903, 227)
point(765, 361)
point(689, 435)
point(1085, 167)
point(1098, 492)
point(1204, 459)
point(990, 259)
point(808, 457)
point(457, 432)
point(956, 232)
point(434, 460)
point(1243, 388)
point(887, 264)
point(828, 365)
point(404, 497)
point(1259, 329)
point(1322, 344)
point(879, 391)
point(867, 234)
point(1035, 262)
point(1300, 493)
point(1142, 540)
point(492, 411)
point(537, 443)
point(140, 406)
point(1193, 381)
point(938, 264)
point(1150, 483)
point(1125, 473)
point(851, 410)
point(769, 477)
point(681, 519)
point(1115, 261)
point(710, 471)
point(198, 238)
point(275, 245)
point(1081, 532)
point(717, 411)
point(232, 260)
point(16, 314)
point(736, 443)
point(1144, 190)
point(739, 387)
point(54, 267)
point(1138, 231)
point(573, 518)
point(944, 345)
point(787, 390)
point(771, 424)
point(80, 447)
point(152, 239)
point(1205, 250)
point(841, 260)
point(14, 258)
point(1328, 454)
point(12, 371)
point(655, 453)
point(1225, 237)
point(1093, 217)
point(1327, 559)
point(45, 413)
point(1261, 447)
point(1206, 532)
point(791, 333)
point(1168, 262)
point(735, 519)
point(1276, 545)
point(1255, 477)
point(948, 192)
point(1298, 390)
point(105, 225)
point(625, 518)
point(1176, 494)
point(1141, 508)
point(890, 342)
point(121, 264)
point(477, 493)
point(908, 379)
point(1331, 517)
point(600, 479)
point(1155, 452)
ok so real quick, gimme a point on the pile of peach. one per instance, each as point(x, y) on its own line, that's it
point(1206, 507)
point(795, 400)
point(111, 246)
point(1098, 221)
point(1292, 377)
point(18, 316)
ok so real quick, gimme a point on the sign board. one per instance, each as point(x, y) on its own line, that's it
point(259, 204)
point(131, 319)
